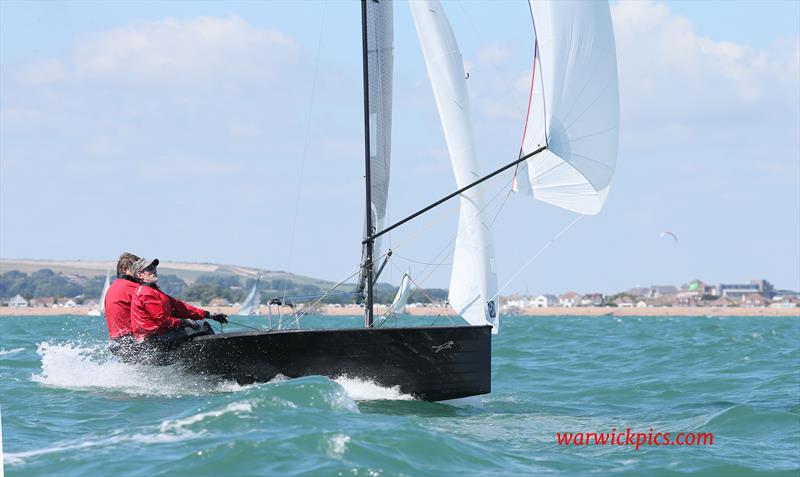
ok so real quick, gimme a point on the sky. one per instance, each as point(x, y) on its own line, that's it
point(231, 132)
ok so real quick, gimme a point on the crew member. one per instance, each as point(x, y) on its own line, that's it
point(159, 319)
point(118, 303)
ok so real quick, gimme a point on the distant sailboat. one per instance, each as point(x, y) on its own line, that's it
point(567, 159)
point(401, 298)
point(102, 307)
point(252, 302)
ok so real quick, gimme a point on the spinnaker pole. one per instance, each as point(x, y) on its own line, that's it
point(369, 241)
point(374, 235)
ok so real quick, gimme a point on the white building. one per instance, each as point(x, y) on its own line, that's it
point(18, 302)
point(569, 299)
point(544, 301)
point(516, 302)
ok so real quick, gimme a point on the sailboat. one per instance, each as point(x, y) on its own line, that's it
point(102, 306)
point(251, 302)
point(401, 298)
point(567, 159)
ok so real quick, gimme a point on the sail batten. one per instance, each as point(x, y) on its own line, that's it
point(473, 283)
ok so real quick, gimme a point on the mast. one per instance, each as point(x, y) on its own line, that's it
point(370, 230)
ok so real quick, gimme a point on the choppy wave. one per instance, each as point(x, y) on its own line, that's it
point(78, 411)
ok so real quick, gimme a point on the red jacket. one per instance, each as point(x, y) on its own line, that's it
point(154, 312)
point(118, 306)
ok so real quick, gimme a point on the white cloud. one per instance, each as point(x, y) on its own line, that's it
point(43, 72)
point(197, 51)
point(668, 72)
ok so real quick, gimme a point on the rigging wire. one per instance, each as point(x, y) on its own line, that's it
point(305, 145)
point(536, 255)
point(308, 307)
point(476, 217)
point(439, 264)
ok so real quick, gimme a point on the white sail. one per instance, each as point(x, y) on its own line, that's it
point(574, 106)
point(102, 307)
point(473, 283)
point(380, 61)
point(401, 298)
point(251, 302)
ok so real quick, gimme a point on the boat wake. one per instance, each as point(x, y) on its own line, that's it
point(88, 367)
point(364, 390)
point(74, 366)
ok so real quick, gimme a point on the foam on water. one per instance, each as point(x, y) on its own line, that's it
point(337, 445)
point(3, 352)
point(237, 408)
point(365, 390)
point(156, 437)
point(73, 366)
point(76, 366)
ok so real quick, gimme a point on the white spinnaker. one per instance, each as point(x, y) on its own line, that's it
point(574, 107)
point(251, 302)
point(401, 298)
point(473, 283)
point(380, 61)
point(105, 290)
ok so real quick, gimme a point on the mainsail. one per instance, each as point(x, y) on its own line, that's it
point(103, 294)
point(473, 283)
point(574, 106)
point(401, 298)
point(380, 54)
point(251, 302)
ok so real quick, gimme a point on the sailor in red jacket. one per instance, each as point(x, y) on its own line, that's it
point(157, 317)
point(118, 300)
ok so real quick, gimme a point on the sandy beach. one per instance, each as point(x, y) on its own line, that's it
point(354, 310)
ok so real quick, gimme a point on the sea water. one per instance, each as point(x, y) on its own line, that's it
point(68, 408)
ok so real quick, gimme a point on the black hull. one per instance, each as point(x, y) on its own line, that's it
point(430, 363)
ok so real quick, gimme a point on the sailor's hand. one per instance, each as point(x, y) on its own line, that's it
point(219, 317)
point(191, 323)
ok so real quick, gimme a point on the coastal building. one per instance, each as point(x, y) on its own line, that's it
point(569, 299)
point(18, 302)
point(42, 302)
point(689, 298)
point(738, 290)
point(515, 302)
point(722, 301)
point(592, 299)
point(624, 302)
point(219, 302)
point(785, 302)
point(754, 300)
point(544, 301)
point(662, 290)
point(65, 303)
point(666, 300)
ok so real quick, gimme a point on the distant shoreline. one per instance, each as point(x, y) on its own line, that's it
point(434, 311)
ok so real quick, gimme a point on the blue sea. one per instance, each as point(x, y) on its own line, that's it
point(68, 408)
